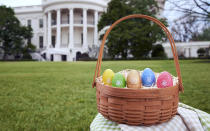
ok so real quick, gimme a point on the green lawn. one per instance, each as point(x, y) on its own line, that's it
point(58, 96)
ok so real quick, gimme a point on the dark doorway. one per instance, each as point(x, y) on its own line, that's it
point(52, 57)
point(78, 55)
point(64, 58)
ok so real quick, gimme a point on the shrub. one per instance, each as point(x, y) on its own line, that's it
point(26, 56)
point(158, 51)
point(201, 52)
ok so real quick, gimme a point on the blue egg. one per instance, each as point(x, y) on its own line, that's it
point(148, 77)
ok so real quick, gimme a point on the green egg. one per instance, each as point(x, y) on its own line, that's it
point(118, 81)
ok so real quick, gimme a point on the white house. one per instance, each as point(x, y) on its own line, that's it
point(64, 28)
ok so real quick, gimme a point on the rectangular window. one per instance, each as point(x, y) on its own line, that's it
point(82, 38)
point(53, 41)
point(29, 23)
point(40, 41)
point(40, 23)
point(68, 19)
point(81, 18)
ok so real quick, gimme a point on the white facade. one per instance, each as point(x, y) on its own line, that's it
point(186, 49)
point(63, 28)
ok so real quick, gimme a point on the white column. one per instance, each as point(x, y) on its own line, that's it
point(71, 28)
point(49, 30)
point(45, 29)
point(85, 44)
point(58, 36)
point(187, 52)
point(95, 27)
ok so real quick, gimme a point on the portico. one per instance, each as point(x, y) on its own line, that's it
point(72, 29)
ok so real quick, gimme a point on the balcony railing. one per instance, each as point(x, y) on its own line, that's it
point(77, 45)
point(64, 21)
point(78, 21)
point(64, 45)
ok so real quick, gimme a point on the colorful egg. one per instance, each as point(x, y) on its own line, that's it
point(133, 79)
point(107, 77)
point(148, 77)
point(118, 80)
point(164, 80)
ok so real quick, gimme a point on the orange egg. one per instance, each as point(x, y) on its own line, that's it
point(133, 79)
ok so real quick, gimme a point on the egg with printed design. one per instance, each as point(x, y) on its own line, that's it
point(118, 81)
point(148, 78)
point(164, 80)
point(133, 80)
point(107, 77)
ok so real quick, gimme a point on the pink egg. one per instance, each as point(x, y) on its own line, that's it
point(164, 80)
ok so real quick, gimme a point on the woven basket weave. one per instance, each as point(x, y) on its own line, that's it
point(137, 106)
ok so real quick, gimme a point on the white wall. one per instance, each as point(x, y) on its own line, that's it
point(188, 49)
point(34, 17)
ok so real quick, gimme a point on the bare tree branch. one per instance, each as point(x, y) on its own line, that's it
point(199, 6)
point(194, 17)
point(181, 8)
point(204, 2)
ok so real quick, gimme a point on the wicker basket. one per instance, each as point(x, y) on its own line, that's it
point(137, 106)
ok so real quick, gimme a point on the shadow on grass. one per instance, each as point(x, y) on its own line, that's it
point(202, 61)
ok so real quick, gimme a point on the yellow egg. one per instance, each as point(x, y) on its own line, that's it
point(133, 79)
point(107, 76)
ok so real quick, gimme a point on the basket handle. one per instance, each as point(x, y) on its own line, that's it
point(171, 40)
